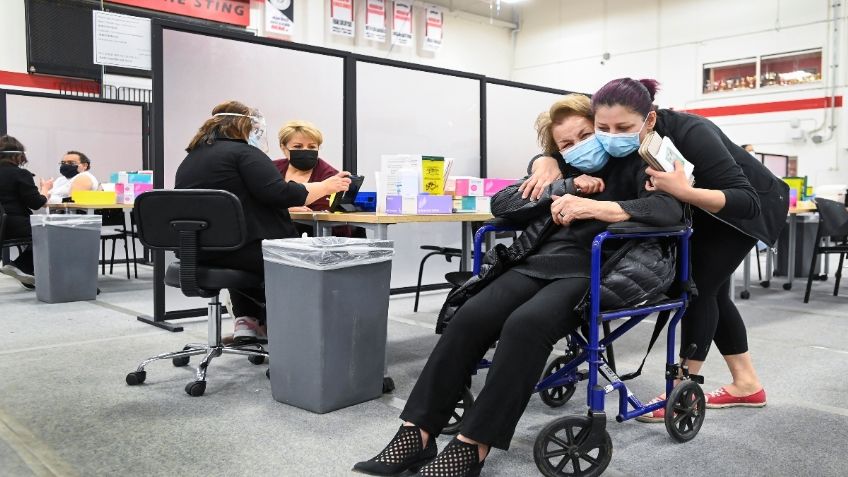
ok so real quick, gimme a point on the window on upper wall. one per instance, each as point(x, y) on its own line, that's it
point(789, 69)
point(730, 75)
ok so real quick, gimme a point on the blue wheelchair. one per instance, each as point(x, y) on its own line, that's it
point(579, 445)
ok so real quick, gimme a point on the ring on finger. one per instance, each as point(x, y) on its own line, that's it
point(562, 215)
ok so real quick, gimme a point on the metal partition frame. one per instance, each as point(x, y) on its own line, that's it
point(349, 147)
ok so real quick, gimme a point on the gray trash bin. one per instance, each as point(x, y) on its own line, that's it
point(327, 306)
point(65, 250)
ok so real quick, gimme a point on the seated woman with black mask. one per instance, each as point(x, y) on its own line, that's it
point(527, 308)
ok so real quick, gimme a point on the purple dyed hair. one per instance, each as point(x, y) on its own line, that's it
point(636, 95)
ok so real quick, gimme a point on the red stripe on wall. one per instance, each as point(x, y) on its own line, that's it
point(25, 80)
point(773, 107)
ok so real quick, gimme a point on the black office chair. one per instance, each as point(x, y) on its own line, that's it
point(188, 222)
point(7, 243)
point(448, 252)
point(833, 223)
point(114, 229)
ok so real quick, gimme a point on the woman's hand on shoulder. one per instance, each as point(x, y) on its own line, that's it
point(545, 171)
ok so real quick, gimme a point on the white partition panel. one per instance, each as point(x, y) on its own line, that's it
point(110, 135)
point(201, 71)
point(403, 111)
point(511, 113)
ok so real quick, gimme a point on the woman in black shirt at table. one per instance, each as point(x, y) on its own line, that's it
point(225, 154)
point(736, 200)
point(19, 197)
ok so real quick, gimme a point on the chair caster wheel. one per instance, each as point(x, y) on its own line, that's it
point(136, 377)
point(765, 284)
point(181, 361)
point(745, 295)
point(462, 406)
point(195, 388)
point(256, 359)
point(388, 385)
point(787, 286)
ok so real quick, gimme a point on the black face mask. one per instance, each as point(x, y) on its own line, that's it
point(303, 159)
point(68, 170)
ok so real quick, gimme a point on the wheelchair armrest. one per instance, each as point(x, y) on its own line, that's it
point(630, 227)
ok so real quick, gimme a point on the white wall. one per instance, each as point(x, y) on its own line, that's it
point(561, 44)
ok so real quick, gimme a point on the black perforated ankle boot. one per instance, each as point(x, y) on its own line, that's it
point(404, 452)
point(458, 459)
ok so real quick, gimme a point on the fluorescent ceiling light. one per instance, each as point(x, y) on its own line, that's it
point(512, 1)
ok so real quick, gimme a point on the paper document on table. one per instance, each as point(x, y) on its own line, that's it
point(390, 175)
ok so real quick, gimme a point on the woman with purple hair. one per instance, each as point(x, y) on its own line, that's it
point(736, 201)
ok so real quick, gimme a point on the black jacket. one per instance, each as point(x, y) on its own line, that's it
point(244, 170)
point(18, 192)
point(756, 201)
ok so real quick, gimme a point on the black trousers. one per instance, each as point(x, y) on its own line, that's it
point(19, 227)
point(529, 316)
point(246, 301)
point(717, 250)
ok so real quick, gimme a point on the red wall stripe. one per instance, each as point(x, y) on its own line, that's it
point(10, 78)
point(772, 107)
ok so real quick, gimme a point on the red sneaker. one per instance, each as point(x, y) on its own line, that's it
point(654, 416)
point(720, 398)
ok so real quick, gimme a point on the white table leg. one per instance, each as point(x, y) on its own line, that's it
point(790, 268)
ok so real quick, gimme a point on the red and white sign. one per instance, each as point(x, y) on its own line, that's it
point(279, 17)
point(341, 17)
point(375, 20)
point(401, 23)
point(236, 12)
point(435, 22)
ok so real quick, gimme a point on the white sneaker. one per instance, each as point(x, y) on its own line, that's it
point(18, 274)
point(248, 330)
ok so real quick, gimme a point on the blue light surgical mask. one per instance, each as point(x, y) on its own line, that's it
point(620, 144)
point(587, 155)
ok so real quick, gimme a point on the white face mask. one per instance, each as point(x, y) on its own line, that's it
point(257, 137)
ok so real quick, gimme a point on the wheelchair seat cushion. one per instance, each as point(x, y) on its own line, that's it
point(642, 275)
point(214, 279)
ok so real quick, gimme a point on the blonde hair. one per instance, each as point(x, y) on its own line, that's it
point(298, 126)
point(571, 105)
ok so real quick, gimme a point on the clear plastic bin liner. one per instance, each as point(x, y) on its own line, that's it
point(73, 221)
point(327, 253)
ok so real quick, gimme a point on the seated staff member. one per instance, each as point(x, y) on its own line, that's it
point(219, 157)
point(75, 174)
point(527, 308)
point(19, 197)
point(300, 141)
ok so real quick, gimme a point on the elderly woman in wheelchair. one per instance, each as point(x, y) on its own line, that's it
point(526, 298)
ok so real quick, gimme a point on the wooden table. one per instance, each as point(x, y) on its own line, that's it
point(88, 208)
point(379, 223)
point(805, 207)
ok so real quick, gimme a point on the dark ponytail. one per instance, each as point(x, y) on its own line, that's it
point(638, 96)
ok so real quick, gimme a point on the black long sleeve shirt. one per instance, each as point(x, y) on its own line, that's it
point(18, 192)
point(244, 170)
point(567, 252)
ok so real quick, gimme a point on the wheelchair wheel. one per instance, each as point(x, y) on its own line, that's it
point(685, 411)
point(558, 396)
point(561, 450)
point(462, 406)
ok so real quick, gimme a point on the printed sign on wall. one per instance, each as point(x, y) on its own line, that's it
point(121, 40)
point(279, 17)
point(401, 23)
point(375, 20)
point(435, 22)
point(236, 12)
point(341, 17)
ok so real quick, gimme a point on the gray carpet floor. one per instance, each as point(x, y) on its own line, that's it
point(65, 409)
